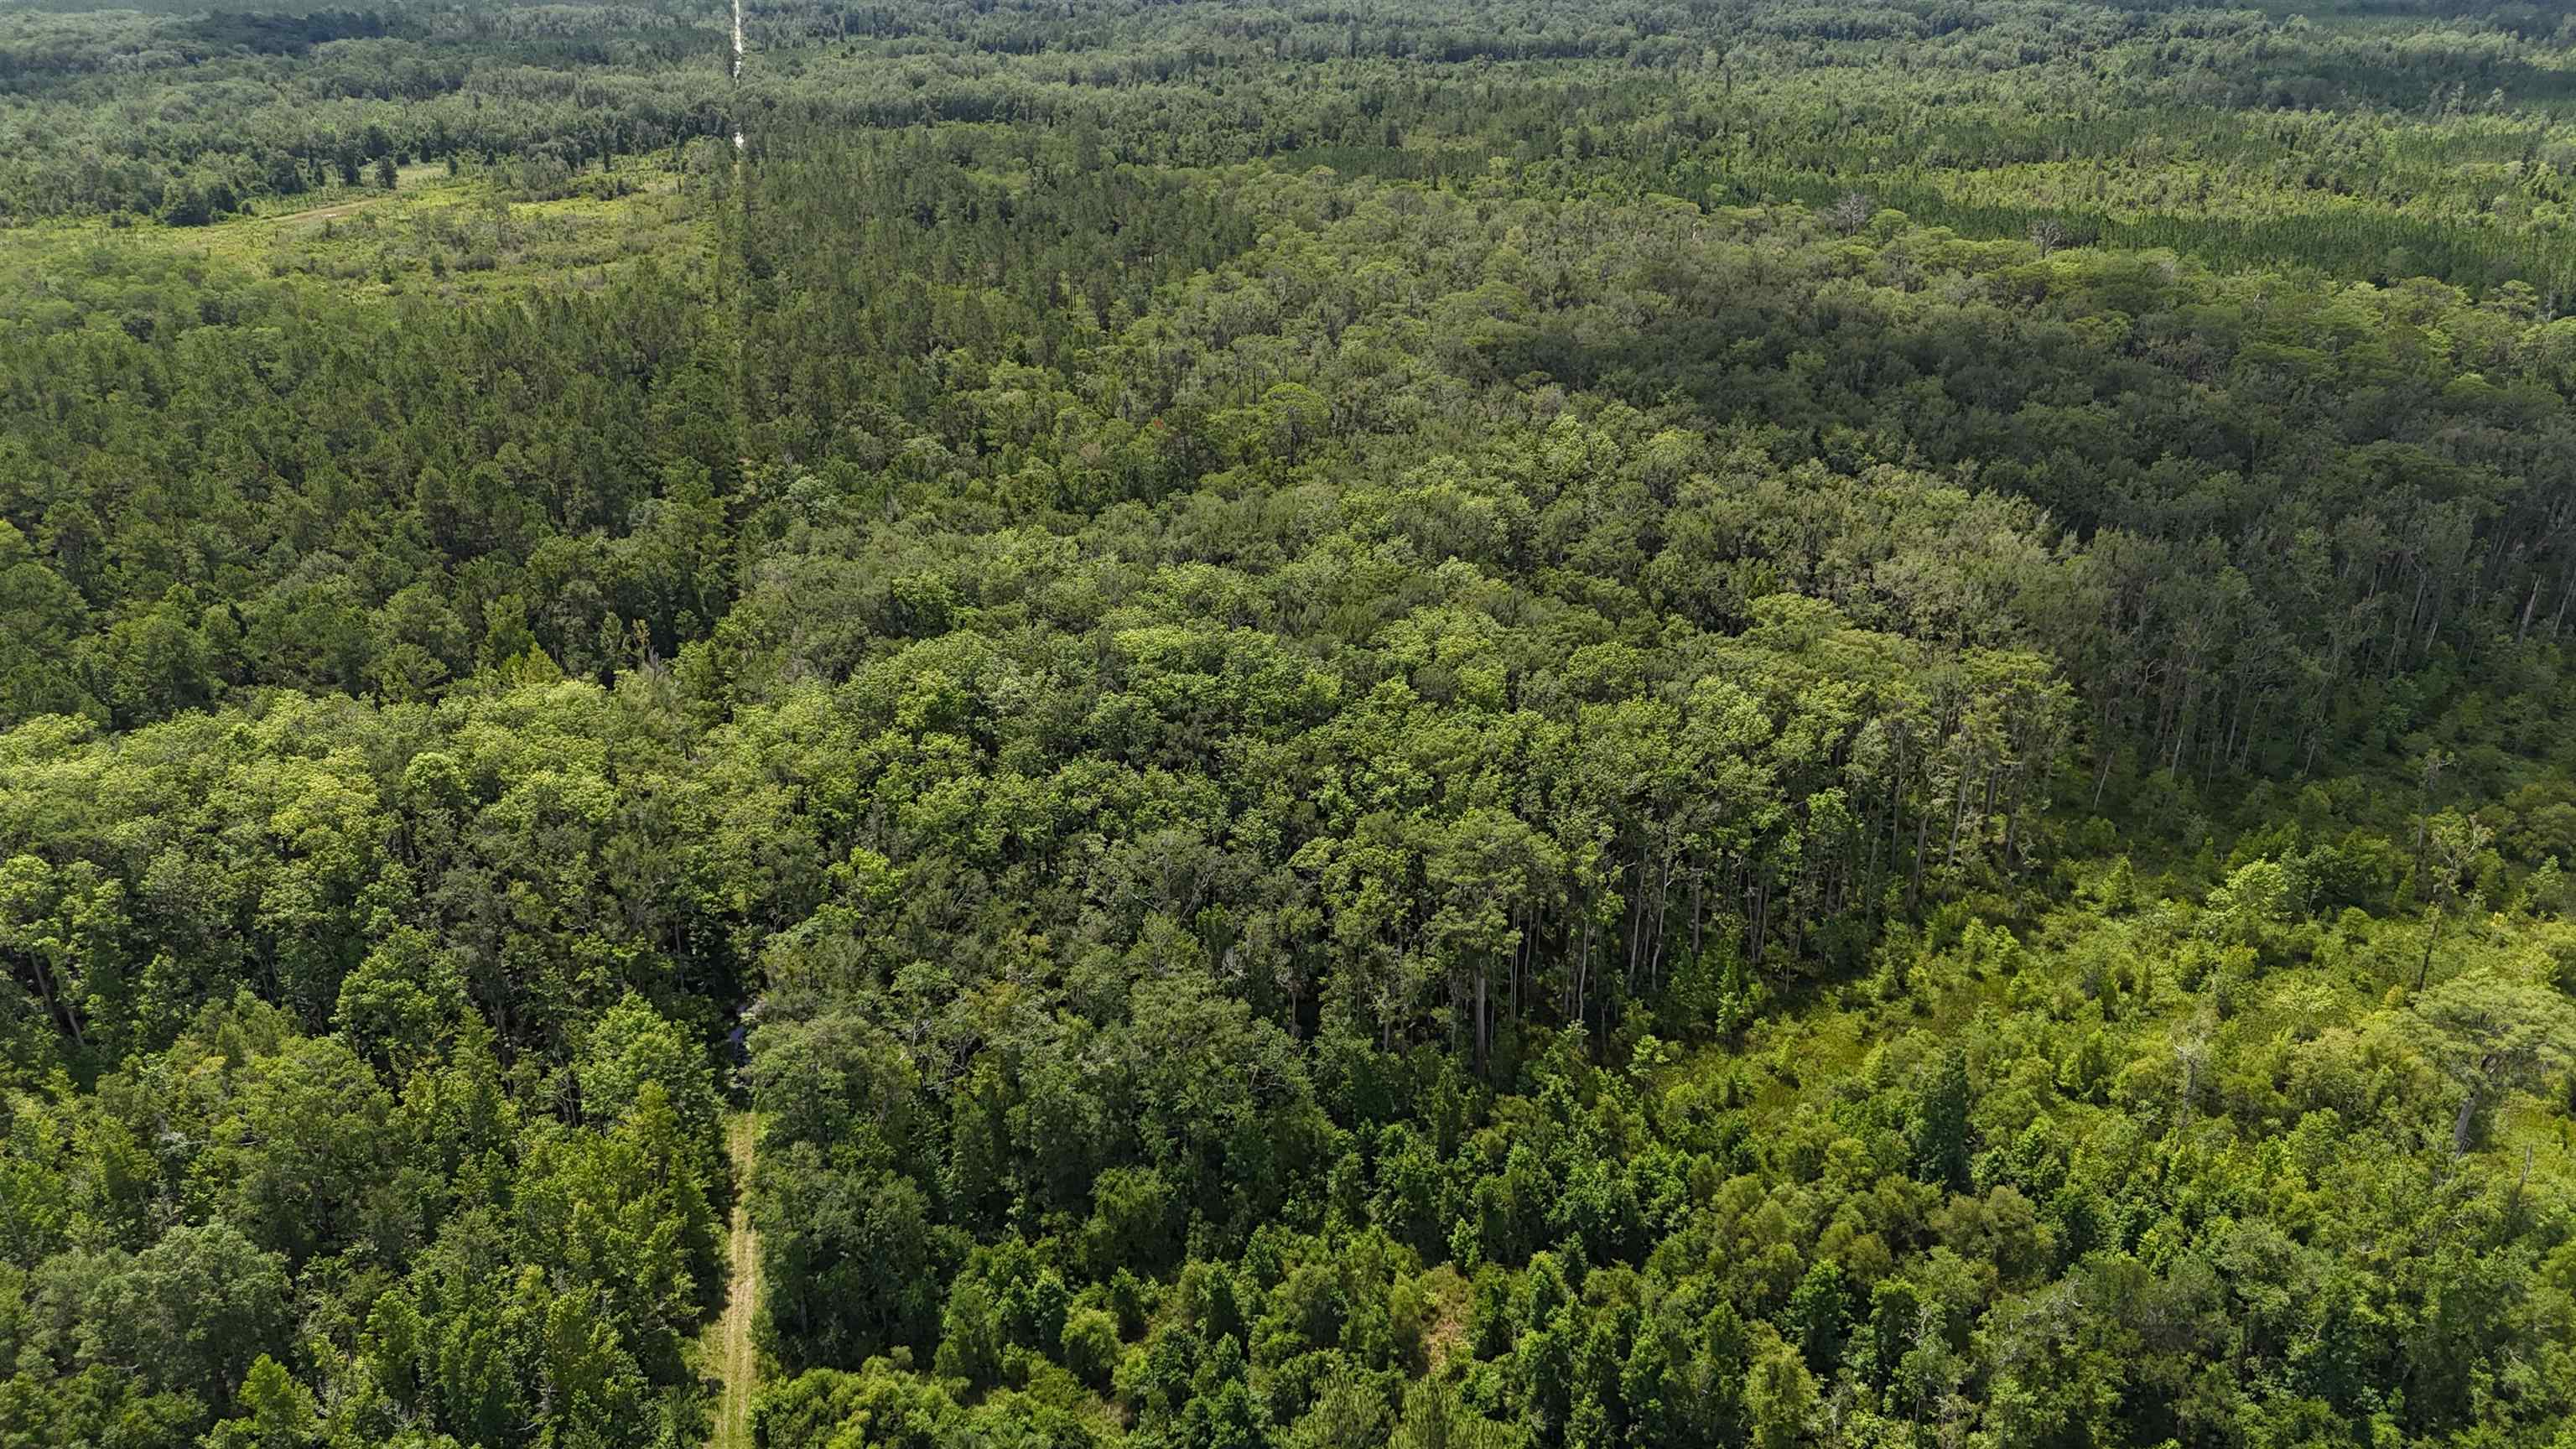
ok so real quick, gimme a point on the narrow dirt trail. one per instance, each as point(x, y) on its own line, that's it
point(729, 1345)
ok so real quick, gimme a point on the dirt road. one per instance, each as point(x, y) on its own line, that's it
point(729, 1347)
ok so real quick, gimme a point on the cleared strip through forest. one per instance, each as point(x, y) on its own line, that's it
point(730, 1350)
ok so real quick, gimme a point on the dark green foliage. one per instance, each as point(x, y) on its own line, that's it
point(1937, 1128)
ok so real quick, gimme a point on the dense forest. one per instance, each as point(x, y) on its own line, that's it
point(1211, 726)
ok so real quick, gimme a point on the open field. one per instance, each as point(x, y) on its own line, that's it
point(433, 235)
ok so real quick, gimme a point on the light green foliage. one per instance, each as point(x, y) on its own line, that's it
point(2494, 1035)
point(2250, 907)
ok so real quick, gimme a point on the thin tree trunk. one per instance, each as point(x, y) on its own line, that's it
point(1582, 963)
point(60, 1009)
point(1482, 971)
point(1663, 908)
point(1922, 842)
point(1695, 916)
point(1636, 921)
point(1761, 921)
point(1958, 818)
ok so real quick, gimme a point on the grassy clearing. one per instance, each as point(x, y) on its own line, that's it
point(728, 1350)
point(434, 235)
